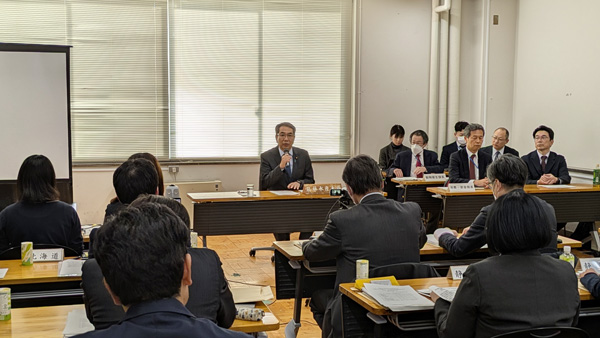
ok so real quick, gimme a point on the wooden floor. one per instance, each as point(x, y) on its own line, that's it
point(240, 267)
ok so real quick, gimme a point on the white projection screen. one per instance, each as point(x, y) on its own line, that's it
point(34, 104)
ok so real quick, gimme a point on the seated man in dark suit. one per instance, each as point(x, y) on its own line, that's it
point(378, 229)
point(210, 296)
point(545, 166)
point(506, 174)
point(142, 252)
point(418, 161)
point(470, 163)
point(387, 155)
point(453, 147)
point(285, 167)
point(499, 147)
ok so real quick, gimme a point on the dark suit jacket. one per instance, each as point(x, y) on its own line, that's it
point(164, 318)
point(591, 281)
point(475, 237)
point(555, 165)
point(378, 229)
point(210, 296)
point(387, 155)
point(510, 292)
point(447, 150)
point(459, 165)
point(507, 150)
point(273, 178)
point(403, 161)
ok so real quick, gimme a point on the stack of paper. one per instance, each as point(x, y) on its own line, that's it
point(251, 293)
point(70, 268)
point(397, 298)
point(77, 323)
point(446, 293)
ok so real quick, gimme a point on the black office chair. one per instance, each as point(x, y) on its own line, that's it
point(546, 332)
point(15, 251)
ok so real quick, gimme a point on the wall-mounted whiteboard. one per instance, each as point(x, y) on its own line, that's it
point(34, 107)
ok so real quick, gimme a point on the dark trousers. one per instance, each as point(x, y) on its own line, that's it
point(318, 304)
point(286, 236)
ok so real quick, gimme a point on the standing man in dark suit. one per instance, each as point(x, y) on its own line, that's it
point(453, 147)
point(285, 167)
point(418, 161)
point(506, 174)
point(545, 166)
point(142, 253)
point(499, 147)
point(378, 229)
point(470, 163)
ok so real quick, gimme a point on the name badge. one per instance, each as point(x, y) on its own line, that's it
point(434, 177)
point(457, 272)
point(48, 255)
point(461, 187)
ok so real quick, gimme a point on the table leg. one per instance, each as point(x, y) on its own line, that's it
point(298, 294)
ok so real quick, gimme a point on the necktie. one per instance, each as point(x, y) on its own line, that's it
point(544, 163)
point(288, 170)
point(472, 167)
point(496, 155)
point(419, 164)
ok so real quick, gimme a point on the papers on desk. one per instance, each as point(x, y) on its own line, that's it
point(397, 298)
point(405, 179)
point(77, 323)
point(284, 192)
point(3, 272)
point(251, 293)
point(446, 293)
point(70, 268)
point(431, 240)
point(556, 186)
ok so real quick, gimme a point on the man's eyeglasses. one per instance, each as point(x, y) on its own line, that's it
point(282, 135)
point(541, 137)
point(501, 139)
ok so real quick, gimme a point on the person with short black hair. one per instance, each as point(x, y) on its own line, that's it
point(498, 146)
point(285, 167)
point(455, 146)
point(154, 160)
point(470, 164)
point(545, 166)
point(508, 292)
point(38, 216)
point(381, 230)
point(132, 178)
point(387, 155)
point(506, 174)
point(143, 255)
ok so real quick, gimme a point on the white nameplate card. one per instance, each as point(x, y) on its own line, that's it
point(461, 187)
point(48, 255)
point(457, 272)
point(434, 177)
point(586, 263)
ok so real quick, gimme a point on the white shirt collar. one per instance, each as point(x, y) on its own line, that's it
point(369, 194)
point(469, 153)
point(495, 151)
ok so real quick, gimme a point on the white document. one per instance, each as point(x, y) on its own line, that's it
point(404, 179)
point(556, 186)
point(431, 240)
point(397, 297)
point(251, 293)
point(3, 272)
point(284, 192)
point(77, 323)
point(70, 268)
point(446, 293)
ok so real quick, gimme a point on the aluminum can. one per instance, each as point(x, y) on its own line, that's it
point(362, 268)
point(4, 303)
point(27, 253)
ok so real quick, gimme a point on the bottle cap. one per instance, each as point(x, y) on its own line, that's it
point(567, 249)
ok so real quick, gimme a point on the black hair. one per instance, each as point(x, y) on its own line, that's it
point(472, 127)
point(284, 124)
point(397, 130)
point(141, 252)
point(177, 207)
point(36, 181)
point(362, 174)
point(546, 129)
point(460, 126)
point(509, 169)
point(421, 133)
point(517, 222)
point(505, 130)
point(133, 178)
point(152, 158)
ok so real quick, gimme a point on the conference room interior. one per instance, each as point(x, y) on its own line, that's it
point(518, 64)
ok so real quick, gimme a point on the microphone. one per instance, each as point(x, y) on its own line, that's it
point(287, 152)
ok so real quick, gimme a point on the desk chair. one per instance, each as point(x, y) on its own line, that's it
point(547, 332)
point(15, 251)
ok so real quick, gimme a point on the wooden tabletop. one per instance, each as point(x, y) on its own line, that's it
point(417, 284)
point(230, 196)
point(49, 321)
point(529, 188)
point(39, 272)
point(418, 181)
point(292, 249)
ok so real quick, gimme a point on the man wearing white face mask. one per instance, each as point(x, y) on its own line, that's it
point(506, 174)
point(453, 147)
point(418, 161)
